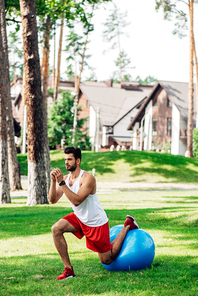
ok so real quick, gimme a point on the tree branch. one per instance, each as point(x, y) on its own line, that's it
point(13, 20)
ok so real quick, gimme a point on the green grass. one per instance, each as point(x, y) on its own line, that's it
point(29, 261)
point(130, 166)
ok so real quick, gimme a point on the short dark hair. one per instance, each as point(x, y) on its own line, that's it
point(75, 151)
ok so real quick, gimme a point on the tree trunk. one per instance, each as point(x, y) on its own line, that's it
point(54, 61)
point(4, 86)
point(14, 168)
point(59, 61)
point(77, 82)
point(196, 71)
point(191, 90)
point(37, 187)
point(46, 64)
point(43, 55)
point(83, 58)
point(45, 96)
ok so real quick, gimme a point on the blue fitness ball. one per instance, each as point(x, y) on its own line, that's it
point(137, 252)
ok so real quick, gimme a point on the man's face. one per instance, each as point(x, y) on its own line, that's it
point(70, 162)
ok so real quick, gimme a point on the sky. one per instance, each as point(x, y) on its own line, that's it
point(150, 45)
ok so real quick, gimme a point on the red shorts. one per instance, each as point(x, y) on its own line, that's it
point(97, 238)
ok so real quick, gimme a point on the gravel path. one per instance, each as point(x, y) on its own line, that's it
point(141, 186)
point(111, 187)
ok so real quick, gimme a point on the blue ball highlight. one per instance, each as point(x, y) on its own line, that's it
point(137, 252)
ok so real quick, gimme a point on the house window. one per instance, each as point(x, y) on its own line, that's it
point(154, 127)
point(169, 126)
point(169, 103)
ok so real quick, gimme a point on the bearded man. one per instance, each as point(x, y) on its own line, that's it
point(88, 219)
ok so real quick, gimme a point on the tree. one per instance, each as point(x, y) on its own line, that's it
point(57, 76)
point(147, 80)
point(45, 95)
point(76, 45)
point(53, 10)
point(60, 124)
point(169, 8)
point(115, 24)
point(37, 187)
point(122, 63)
point(195, 142)
point(4, 82)
point(14, 169)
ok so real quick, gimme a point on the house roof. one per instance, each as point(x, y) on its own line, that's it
point(114, 103)
point(177, 93)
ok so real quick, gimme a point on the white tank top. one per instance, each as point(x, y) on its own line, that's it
point(90, 211)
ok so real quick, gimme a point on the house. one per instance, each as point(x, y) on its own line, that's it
point(17, 96)
point(113, 106)
point(108, 106)
point(162, 119)
point(18, 105)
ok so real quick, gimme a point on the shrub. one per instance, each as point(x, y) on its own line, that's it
point(195, 142)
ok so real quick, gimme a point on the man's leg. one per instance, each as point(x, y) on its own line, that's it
point(108, 257)
point(57, 231)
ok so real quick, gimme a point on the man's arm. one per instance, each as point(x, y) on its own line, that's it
point(87, 187)
point(55, 193)
point(88, 184)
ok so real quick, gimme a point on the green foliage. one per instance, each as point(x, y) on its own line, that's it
point(149, 79)
point(60, 124)
point(195, 142)
point(77, 46)
point(123, 63)
point(170, 9)
point(114, 29)
point(51, 92)
point(127, 77)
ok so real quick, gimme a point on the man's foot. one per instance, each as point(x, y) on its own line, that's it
point(131, 221)
point(67, 273)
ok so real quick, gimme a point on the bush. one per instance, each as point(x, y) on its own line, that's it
point(195, 142)
point(60, 124)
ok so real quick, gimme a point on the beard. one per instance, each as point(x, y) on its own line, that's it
point(72, 168)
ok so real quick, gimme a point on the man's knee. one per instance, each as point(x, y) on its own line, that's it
point(61, 227)
point(55, 229)
point(106, 261)
point(106, 258)
point(58, 228)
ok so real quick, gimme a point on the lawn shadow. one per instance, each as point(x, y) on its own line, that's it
point(27, 221)
point(167, 166)
point(38, 220)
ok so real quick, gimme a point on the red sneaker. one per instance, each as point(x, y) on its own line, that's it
point(131, 221)
point(67, 273)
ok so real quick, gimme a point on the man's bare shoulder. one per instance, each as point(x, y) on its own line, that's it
point(87, 177)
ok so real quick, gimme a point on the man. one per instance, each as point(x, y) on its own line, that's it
point(88, 218)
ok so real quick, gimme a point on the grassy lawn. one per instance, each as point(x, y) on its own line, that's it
point(130, 166)
point(29, 261)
